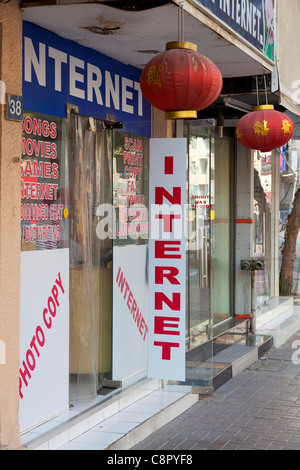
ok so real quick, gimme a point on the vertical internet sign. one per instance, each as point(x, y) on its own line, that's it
point(167, 259)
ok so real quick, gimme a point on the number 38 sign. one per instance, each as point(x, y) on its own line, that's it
point(14, 107)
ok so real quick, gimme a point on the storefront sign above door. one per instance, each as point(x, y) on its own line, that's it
point(58, 71)
point(252, 19)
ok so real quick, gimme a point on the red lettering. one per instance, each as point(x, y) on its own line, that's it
point(37, 169)
point(126, 289)
point(160, 193)
point(33, 345)
point(28, 125)
point(45, 128)
point(40, 336)
point(37, 126)
point(133, 308)
point(129, 300)
point(53, 150)
point(131, 303)
point(47, 323)
point(51, 307)
point(166, 349)
point(29, 147)
point(47, 150)
point(47, 170)
point(31, 362)
point(138, 317)
point(25, 373)
point(53, 131)
point(55, 172)
point(146, 331)
point(55, 294)
point(162, 248)
point(168, 272)
point(122, 280)
point(20, 388)
point(160, 297)
point(161, 323)
point(168, 275)
point(23, 378)
point(59, 283)
point(142, 325)
point(169, 165)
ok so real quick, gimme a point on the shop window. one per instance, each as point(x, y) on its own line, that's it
point(44, 270)
point(130, 252)
point(130, 188)
point(44, 183)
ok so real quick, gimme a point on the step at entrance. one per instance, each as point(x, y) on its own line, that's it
point(212, 364)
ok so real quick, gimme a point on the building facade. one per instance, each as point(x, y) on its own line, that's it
point(75, 318)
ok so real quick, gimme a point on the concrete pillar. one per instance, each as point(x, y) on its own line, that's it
point(244, 229)
point(10, 152)
point(161, 127)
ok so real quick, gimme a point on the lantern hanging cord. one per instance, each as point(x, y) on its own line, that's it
point(257, 95)
point(266, 89)
point(181, 22)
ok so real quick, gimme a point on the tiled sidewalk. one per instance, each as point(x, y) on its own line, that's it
point(123, 429)
point(118, 422)
point(257, 410)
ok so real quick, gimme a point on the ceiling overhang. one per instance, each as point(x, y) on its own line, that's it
point(135, 36)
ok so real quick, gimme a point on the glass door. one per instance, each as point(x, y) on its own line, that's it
point(90, 177)
point(198, 255)
point(209, 276)
point(221, 229)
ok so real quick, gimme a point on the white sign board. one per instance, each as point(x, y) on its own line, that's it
point(130, 312)
point(167, 259)
point(44, 336)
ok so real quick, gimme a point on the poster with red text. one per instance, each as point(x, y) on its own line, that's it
point(167, 259)
point(44, 336)
point(44, 190)
point(130, 312)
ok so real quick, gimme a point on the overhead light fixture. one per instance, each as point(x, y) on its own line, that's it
point(236, 104)
point(104, 31)
point(149, 51)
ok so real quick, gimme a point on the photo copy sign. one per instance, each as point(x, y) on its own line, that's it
point(167, 259)
point(44, 336)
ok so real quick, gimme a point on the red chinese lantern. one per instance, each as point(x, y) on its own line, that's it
point(180, 81)
point(264, 129)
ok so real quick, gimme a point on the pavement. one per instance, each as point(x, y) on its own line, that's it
point(259, 409)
